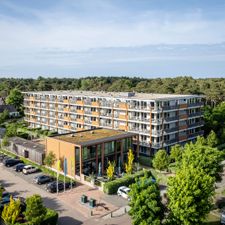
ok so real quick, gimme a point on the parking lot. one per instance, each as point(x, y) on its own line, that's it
point(71, 211)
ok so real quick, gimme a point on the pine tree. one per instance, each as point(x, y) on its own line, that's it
point(110, 170)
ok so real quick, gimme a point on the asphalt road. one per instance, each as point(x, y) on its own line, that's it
point(24, 187)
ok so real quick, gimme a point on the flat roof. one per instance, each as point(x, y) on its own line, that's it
point(122, 95)
point(27, 144)
point(94, 136)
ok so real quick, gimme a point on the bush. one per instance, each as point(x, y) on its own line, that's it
point(145, 160)
point(111, 187)
point(51, 217)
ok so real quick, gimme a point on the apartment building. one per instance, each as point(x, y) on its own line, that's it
point(161, 120)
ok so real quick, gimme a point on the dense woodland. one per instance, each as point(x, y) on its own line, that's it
point(212, 88)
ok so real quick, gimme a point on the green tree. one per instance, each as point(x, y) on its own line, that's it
point(176, 153)
point(161, 160)
point(129, 164)
point(110, 170)
point(200, 141)
point(50, 159)
point(15, 98)
point(4, 116)
point(5, 141)
point(11, 211)
point(11, 129)
point(35, 210)
point(204, 158)
point(190, 195)
point(212, 139)
point(145, 203)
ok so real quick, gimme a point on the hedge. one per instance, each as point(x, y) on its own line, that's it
point(145, 160)
point(111, 187)
point(51, 217)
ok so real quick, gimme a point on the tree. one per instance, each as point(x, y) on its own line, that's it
point(11, 130)
point(5, 141)
point(11, 211)
point(15, 98)
point(161, 160)
point(203, 158)
point(200, 141)
point(4, 116)
point(50, 159)
point(212, 139)
point(110, 170)
point(176, 153)
point(145, 203)
point(35, 210)
point(190, 195)
point(129, 164)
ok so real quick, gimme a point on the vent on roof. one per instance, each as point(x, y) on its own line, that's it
point(72, 135)
point(92, 132)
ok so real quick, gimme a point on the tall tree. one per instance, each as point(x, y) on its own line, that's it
point(176, 153)
point(15, 98)
point(129, 164)
point(204, 158)
point(212, 139)
point(190, 195)
point(145, 203)
point(161, 160)
point(110, 170)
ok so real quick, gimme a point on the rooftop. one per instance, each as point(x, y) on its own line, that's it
point(90, 137)
point(27, 144)
point(123, 95)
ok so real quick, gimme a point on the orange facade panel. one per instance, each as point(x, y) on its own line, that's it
point(123, 127)
point(66, 101)
point(67, 118)
point(185, 116)
point(80, 102)
point(95, 113)
point(123, 117)
point(68, 127)
point(95, 123)
point(183, 106)
point(80, 111)
point(123, 105)
point(183, 138)
point(95, 104)
point(79, 120)
point(31, 98)
point(66, 110)
point(184, 127)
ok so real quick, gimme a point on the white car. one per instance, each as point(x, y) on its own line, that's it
point(29, 169)
point(123, 192)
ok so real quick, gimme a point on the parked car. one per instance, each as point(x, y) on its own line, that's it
point(12, 162)
point(43, 179)
point(123, 192)
point(29, 169)
point(19, 167)
point(52, 187)
point(6, 157)
point(6, 194)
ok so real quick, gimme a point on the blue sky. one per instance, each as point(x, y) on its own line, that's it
point(147, 38)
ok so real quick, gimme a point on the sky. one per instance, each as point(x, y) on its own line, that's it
point(143, 38)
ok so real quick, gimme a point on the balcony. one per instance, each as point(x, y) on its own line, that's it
point(199, 133)
point(68, 127)
point(79, 120)
point(170, 130)
point(196, 104)
point(172, 141)
point(67, 110)
point(198, 124)
point(122, 105)
point(67, 118)
point(183, 138)
point(196, 114)
point(172, 107)
point(66, 101)
point(169, 119)
point(32, 98)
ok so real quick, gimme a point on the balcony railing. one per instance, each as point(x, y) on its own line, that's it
point(195, 114)
point(195, 104)
point(172, 107)
point(170, 130)
point(169, 119)
point(196, 124)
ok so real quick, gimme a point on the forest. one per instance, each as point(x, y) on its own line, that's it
point(212, 88)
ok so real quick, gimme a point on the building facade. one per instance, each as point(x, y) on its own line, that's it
point(89, 151)
point(161, 120)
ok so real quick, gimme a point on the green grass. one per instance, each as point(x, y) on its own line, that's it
point(161, 178)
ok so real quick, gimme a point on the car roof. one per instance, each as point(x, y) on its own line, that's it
point(124, 188)
point(27, 166)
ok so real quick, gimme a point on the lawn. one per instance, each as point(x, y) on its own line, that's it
point(212, 220)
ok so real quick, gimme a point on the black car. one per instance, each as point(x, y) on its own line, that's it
point(12, 162)
point(52, 187)
point(19, 167)
point(43, 179)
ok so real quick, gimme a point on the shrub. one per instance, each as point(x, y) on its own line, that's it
point(111, 187)
point(51, 217)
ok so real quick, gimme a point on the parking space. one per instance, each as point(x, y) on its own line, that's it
point(68, 204)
